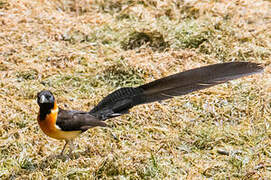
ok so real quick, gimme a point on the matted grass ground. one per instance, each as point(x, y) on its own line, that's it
point(83, 51)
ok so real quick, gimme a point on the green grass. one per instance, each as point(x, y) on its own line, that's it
point(82, 51)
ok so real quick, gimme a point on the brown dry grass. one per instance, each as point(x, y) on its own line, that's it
point(86, 49)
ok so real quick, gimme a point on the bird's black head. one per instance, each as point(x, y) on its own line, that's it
point(46, 99)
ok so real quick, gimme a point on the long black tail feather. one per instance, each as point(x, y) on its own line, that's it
point(120, 101)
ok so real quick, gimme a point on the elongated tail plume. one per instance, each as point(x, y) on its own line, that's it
point(120, 101)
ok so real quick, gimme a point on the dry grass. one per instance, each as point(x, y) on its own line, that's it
point(82, 51)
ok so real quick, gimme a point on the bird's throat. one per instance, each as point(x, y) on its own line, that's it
point(46, 109)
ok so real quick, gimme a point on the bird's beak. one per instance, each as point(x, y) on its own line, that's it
point(43, 99)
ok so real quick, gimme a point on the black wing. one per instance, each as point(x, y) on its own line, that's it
point(120, 101)
point(76, 120)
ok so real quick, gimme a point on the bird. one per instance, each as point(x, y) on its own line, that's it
point(66, 125)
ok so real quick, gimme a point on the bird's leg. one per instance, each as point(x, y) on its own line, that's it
point(114, 136)
point(71, 147)
point(66, 142)
point(76, 8)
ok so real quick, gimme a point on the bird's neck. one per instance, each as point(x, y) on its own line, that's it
point(47, 109)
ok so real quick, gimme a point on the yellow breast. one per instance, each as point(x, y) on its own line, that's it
point(49, 127)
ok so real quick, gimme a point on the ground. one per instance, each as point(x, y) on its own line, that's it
point(83, 50)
